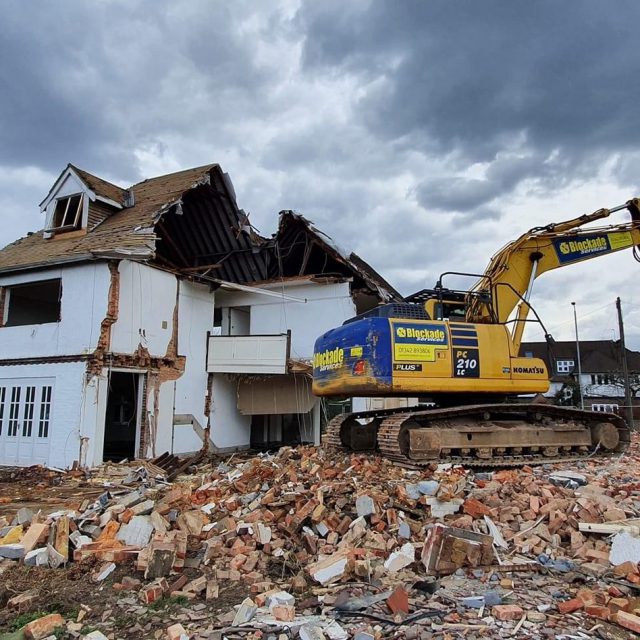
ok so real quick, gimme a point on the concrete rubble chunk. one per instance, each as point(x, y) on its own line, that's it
point(311, 632)
point(12, 551)
point(398, 560)
point(624, 548)
point(365, 506)
point(443, 508)
point(245, 612)
point(104, 571)
point(24, 516)
point(56, 559)
point(329, 569)
point(94, 635)
point(428, 487)
point(37, 558)
point(137, 533)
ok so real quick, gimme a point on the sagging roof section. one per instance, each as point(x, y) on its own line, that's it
point(299, 248)
point(189, 222)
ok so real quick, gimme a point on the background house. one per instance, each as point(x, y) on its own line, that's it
point(601, 364)
point(108, 318)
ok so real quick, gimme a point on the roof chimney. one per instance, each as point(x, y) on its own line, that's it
point(129, 199)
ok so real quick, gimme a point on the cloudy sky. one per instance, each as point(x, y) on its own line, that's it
point(421, 134)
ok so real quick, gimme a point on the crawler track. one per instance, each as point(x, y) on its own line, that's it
point(484, 435)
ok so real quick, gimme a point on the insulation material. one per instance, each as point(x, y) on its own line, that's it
point(275, 395)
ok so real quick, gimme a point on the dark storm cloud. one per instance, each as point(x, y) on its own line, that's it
point(89, 81)
point(421, 134)
point(469, 79)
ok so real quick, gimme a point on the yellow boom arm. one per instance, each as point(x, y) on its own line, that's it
point(511, 272)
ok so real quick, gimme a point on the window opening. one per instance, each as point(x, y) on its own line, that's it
point(45, 412)
point(3, 394)
point(565, 366)
point(68, 214)
point(14, 409)
point(605, 408)
point(27, 414)
point(33, 303)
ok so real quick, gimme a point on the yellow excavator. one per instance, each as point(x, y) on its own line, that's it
point(460, 349)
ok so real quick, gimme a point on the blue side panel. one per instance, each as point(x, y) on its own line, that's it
point(337, 352)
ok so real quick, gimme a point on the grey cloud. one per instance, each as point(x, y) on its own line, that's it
point(471, 77)
point(97, 79)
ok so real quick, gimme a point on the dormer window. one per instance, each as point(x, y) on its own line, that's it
point(68, 214)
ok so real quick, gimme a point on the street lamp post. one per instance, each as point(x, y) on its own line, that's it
point(575, 320)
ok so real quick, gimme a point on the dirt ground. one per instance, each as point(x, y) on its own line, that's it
point(113, 612)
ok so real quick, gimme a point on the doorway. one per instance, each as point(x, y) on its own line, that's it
point(121, 419)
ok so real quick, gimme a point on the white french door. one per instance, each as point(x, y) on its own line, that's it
point(25, 421)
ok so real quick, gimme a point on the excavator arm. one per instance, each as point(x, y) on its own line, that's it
point(508, 280)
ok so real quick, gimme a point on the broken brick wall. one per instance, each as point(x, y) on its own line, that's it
point(140, 332)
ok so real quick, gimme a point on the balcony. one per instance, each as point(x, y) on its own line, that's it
point(257, 354)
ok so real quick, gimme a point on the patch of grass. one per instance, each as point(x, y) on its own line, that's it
point(25, 618)
point(168, 603)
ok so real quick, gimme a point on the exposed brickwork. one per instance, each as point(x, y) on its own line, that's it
point(104, 340)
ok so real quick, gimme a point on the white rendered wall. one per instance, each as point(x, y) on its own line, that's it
point(85, 290)
point(145, 313)
point(195, 319)
point(66, 406)
point(165, 434)
point(229, 428)
point(327, 307)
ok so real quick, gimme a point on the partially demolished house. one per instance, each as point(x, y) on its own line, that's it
point(154, 318)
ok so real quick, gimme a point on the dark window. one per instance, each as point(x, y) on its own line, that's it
point(14, 409)
point(528, 354)
point(45, 412)
point(29, 406)
point(3, 394)
point(33, 303)
point(68, 214)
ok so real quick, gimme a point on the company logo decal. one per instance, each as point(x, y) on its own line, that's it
point(538, 370)
point(418, 342)
point(581, 247)
point(328, 359)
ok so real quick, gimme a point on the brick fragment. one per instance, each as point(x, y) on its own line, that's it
point(569, 606)
point(43, 627)
point(597, 611)
point(628, 621)
point(398, 601)
point(507, 612)
point(22, 602)
point(176, 632)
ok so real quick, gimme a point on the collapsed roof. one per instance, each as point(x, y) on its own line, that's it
point(188, 222)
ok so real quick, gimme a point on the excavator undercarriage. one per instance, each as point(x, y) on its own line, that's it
point(481, 435)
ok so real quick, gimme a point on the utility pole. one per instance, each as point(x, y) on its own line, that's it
point(575, 319)
point(628, 399)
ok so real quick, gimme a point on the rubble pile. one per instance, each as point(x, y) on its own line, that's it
point(314, 544)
